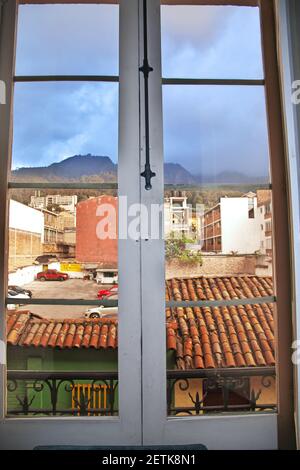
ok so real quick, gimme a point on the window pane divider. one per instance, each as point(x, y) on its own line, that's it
point(221, 303)
point(194, 187)
point(205, 373)
point(65, 78)
point(61, 185)
point(213, 81)
point(87, 302)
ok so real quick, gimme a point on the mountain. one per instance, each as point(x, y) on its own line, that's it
point(95, 168)
point(71, 168)
point(231, 177)
point(87, 167)
point(177, 174)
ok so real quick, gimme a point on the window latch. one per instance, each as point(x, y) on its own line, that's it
point(145, 69)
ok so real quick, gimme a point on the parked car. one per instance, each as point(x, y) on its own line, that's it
point(106, 276)
point(52, 275)
point(104, 293)
point(11, 294)
point(20, 290)
point(101, 312)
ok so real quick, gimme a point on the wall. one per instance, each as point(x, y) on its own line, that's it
point(90, 248)
point(24, 247)
point(48, 359)
point(239, 233)
point(26, 275)
point(22, 217)
point(26, 228)
point(214, 265)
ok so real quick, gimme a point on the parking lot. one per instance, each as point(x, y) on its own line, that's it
point(70, 289)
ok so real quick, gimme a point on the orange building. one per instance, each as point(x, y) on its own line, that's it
point(96, 231)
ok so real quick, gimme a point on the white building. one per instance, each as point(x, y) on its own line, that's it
point(264, 205)
point(65, 202)
point(233, 226)
point(26, 235)
point(178, 216)
point(26, 219)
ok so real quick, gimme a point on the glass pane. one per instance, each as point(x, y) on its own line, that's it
point(218, 247)
point(211, 42)
point(63, 235)
point(68, 39)
point(63, 359)
point(65, 132)
point(63, 245)
point(219, 136)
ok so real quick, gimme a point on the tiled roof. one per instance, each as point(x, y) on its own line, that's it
point(26, 329)
point(201, 337)
point(221, 337)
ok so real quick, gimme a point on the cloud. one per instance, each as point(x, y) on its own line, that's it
point(210, 129)
point(206, 129)
point(211, 42)
point(55, 120)
point(68, 39)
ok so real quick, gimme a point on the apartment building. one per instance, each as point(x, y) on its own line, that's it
point(264, 205)
point(65, 202)
point(179, 217)
point(26, 235)
point(232, 226)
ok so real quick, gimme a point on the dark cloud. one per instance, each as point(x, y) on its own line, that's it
point(56, 120)
point(206, 129)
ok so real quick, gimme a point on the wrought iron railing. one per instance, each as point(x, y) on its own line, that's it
point(62, 393)
point(220, 391)
point(193, 393)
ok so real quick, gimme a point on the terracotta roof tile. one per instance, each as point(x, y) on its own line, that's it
point(234, 336)
point(27, 329)
point(202, 337)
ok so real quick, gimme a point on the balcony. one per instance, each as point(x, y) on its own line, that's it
point(57, 394)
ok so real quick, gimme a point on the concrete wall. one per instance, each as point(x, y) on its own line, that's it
point(24, 247)
point(26, 231)
point(27, 219)
point(239, 233)
point(26, 275)
point(214, 265)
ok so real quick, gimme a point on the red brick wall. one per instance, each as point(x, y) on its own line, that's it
point(90, 248)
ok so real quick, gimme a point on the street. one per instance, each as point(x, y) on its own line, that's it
point(70, 289)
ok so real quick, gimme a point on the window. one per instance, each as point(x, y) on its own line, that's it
point(64, 178)
point(198, 315)
point(216, 159)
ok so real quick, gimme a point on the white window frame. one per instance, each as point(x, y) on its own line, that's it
point(289, 33)
point(126, 428)
point(142, 363)
point(236, 431)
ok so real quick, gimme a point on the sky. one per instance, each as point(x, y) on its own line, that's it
point(207, 129)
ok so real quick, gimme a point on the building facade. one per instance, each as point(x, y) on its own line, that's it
point(26, 235)
point(65, 202)
point(96, 231)
point(233, 226)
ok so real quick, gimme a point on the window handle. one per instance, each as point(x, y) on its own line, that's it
point(145, 69)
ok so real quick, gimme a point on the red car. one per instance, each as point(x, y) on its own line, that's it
point(52, 275)
point(102, 294)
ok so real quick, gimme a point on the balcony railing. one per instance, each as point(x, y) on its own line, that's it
point(35, 393)
point(235, 391)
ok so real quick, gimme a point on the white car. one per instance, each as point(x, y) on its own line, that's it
point(13, 295)
point(101, 312)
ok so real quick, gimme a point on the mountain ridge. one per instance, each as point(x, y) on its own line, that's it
point(100, 168)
